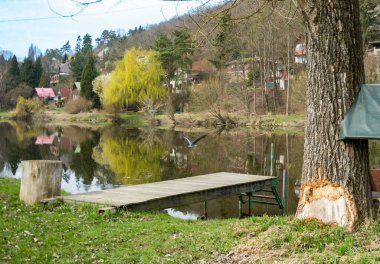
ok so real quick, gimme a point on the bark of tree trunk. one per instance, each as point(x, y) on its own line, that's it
point(335, 175)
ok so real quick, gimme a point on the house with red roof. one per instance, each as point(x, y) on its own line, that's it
point(44, 140)
point(65, 93)
point(44, 93)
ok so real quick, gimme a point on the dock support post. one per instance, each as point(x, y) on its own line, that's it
point(249, 203)
point(283, 186)
point(240, 206)
point(272, 160)
point(274, 190)
point(205, 209)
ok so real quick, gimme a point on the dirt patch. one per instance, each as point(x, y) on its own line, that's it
point(261, 248)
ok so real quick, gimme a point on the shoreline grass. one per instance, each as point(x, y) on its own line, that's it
point(184, 120)
point(76, 233)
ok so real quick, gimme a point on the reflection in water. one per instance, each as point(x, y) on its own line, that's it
point(98, 159)
point(132, 159)
point(181, 215)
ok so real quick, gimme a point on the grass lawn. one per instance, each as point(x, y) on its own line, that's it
point(75, 233)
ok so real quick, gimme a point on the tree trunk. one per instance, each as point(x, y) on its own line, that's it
point(335, 175)
point(40, 179)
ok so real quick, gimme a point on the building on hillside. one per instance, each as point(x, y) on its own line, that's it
point(280, 78)
point(44, 93)
point(376, 48)
point(75, 91)
point(237, 70)
point(63, 72)
point(300, 53)
point(65, 93)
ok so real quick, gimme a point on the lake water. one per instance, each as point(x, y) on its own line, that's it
point(95, 159)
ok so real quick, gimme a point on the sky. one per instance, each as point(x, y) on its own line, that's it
point(23, 22)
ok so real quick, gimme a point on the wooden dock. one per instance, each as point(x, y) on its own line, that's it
point(171, 193)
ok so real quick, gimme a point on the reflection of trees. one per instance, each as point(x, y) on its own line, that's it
point(24, 131)
point(14, 151)
point(82, 163)
point(131, 160)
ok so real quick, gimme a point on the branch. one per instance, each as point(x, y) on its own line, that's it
point(82, 6)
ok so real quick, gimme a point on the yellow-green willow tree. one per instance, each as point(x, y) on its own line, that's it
point(136, 78)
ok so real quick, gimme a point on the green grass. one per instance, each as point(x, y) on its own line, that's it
point(75, 233)
point(287, 119)
point(66, 232)
point(5, 114)
point(135, 116)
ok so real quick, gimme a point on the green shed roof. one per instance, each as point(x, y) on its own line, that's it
point(77, 85)
point(362, 121)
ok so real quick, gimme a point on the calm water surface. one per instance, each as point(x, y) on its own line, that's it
point(95, 159)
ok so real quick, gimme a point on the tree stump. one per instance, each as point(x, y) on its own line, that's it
point(40, 179)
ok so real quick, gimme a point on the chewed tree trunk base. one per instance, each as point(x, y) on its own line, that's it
point(327, 202)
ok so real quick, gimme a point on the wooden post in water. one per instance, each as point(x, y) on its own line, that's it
point(40, 179)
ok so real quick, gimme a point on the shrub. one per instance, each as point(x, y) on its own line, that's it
point(26, 109)
point(207, 95)
point(78, 105)
point(22, 90)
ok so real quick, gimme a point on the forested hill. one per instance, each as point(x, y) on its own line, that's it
point(243, 32)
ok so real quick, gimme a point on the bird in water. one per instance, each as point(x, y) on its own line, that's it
point(192, 144)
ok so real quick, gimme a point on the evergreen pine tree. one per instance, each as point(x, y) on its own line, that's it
point(12, 78)
point(88, 75)
point(87, 44)
point(184, 47)
point(44, 80)
point(37, 72)
point(65, 49)
point(168, 57)
point(78, 44)
point(225, 42)
point(27, 72)
point(81, 57)
point(77, 65)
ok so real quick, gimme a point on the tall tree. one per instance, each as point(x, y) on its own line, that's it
point(77, 64)
point(27, 72)
point(33, 52)
point(78, 44)
point(66, 48)
point(168, 57)
point(88, 75)
point(87, 44)
point(44, 80)
point(137, 77)
point(81, 57)
point(335, 176)
point(37, 72)
point(3, 71)
point(183, 47)
point(12, 78)
point(225, 42)
point(65, 51)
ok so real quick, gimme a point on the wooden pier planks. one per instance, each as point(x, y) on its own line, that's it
point(165, 194)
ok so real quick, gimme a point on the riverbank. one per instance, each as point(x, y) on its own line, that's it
point(182, 121)
point(65, 233)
